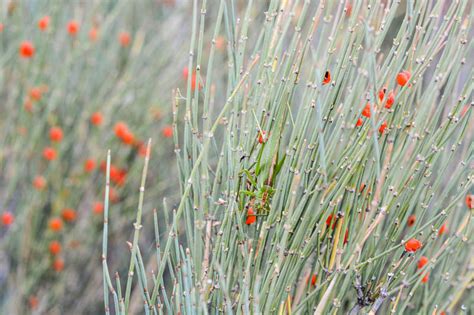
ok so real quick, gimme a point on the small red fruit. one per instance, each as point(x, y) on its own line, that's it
point(96, 119)
point(89, 165)
point(7, 218)
point(36, 93)
point(124, 39)
point(55, 224)
point(412, 245)
point(55, 134)
point(422, 262)
point(366, 111)
point(251, 217)
point(470, 201)
point(442, 230)
point(359, 122)
point(403, 77)
point(73, 28)
point(382, 127)
point(58, 265)
point(390, 100)
point(167, 131)
point(327, 78)
point(69, 215)
point(93, 34)
point(426, 277)
point(39, 182)
point(43, 23)
point(314, 278)
point(382, 93)
point(49, 154)
point(54, 248)
point(262, 137)
point(27, 50)
point(98, 207)
point(411, 220)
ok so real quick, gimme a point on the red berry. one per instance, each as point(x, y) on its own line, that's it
point(7, 218)
point(39, 182)
point(49, 154)
point(73, 28)
point(55, 134)
point(93, 34)
point(390, 100)
point(314, 278)
point(426, 277)
point(124, 39)
point(382, 127)
point(366, 111)
point(442, 230)
point(27, 50)
point(403, 77)
point(36, 93)
point(412, 245)
point(262, 137)
point(54, 248)
point(382, 93)
point(411, 220)
point(98, 207)
point(96, 119)
point(167, 131)
point(43, 23)
point(55, 224)
point(422, 262)
point(69, 215)
point(251, 217)
point(89, 165)
point(58, 265)
point(327, 78)
point(470, 201)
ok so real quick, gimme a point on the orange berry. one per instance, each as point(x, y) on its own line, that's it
point(346, 237)
point(96, 119)
point(119, 176)
point(167, 131)
point(411, 220)
point(89, 165)
point(366, 111)
point(426, 277)
point(73, 28)
point(422, 262)
point(49, 154)
point(56, 134)
point(314, 278)
point(43, 23)
point(359, 122)
point(69, 215)
point(39, 182)
point(128, 138)
point(98, 207)
point(55, 224)
point(470, 201)
point(124, 39)
point(390, 100)
point(54, 248)
point(27, 50)
point(412, 245)
point(58, 265)
point(382, 127)
point(329, 220)
point(7, 218)
point(262, 137)
point(327, 78)
point(93, 34)
point(36, 93)
point(193, 82)
point(251, 217)
point(442, 230)
point(403, 77)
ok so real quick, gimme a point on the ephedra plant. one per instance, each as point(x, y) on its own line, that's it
point(329, 171)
